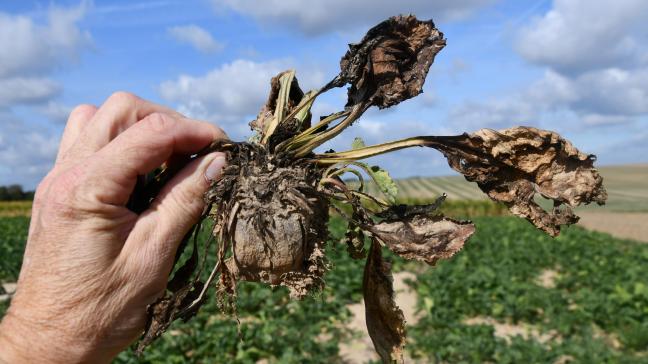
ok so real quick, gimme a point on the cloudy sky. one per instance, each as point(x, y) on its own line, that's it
point(574, 66)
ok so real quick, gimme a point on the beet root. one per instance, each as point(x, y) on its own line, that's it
point(277, 221)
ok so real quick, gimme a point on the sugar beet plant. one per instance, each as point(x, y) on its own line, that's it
point(271, 207)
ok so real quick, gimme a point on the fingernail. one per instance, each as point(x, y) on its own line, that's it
point(215, 168)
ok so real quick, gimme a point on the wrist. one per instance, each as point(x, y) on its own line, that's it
point(14, 341)
point(24, 342)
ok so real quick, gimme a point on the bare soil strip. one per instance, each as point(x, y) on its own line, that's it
point(625, 225)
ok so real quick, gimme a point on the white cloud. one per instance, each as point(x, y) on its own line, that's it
point(197, 37)
point(132, 7)
point(595, 57)
point(595, 98)
point(580, 35)
point(225, 94)
point(232, 92)
point(609, 91)
point(325, 16)
point(56, 112)
point(30, 51)
point(613, 91)
point(29, 48)
point(20, 90)
point(601, 120)
point(27, 152)
point(596, 69)
point(496, 113)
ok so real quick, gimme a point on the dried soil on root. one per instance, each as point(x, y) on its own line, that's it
point(274, 218)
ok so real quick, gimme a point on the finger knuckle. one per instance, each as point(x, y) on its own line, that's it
point(187, 201)
point(124, 98)
point(64, 186)
point(41, 191)
point(157, 122)
point(82, 110)
point(65, 191)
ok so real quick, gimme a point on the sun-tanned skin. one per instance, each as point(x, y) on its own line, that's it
point(91, 265)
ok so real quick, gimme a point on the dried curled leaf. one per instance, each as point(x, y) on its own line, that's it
point(389, 65)
point(165, 310)
point(423, 237)
point(285, 95)
point(512, 165)
point(385, 321)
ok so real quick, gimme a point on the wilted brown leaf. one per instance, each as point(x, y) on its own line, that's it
point(385, 321)
point(267, 112)
point(512, 165)
point(424, 238)
point(165, 310)
point(389, 65)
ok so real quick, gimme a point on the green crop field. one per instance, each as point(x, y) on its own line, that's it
point(594, 309)
point(13, 234)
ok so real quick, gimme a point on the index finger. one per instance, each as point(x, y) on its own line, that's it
point(118, 113)
point(142, 148)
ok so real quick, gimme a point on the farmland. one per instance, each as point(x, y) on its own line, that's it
point(512, 295)
point(594, 310)
point(12, 244)
point(627, 188)
point(15, 208)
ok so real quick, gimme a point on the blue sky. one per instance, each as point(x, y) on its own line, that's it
point(574, 66)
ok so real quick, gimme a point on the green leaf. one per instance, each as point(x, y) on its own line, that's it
point(428, 304)
point(357, 143)
point(384, 181)
point(640, 289)
point(622, 294)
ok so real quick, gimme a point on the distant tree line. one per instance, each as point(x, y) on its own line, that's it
point(15, 193)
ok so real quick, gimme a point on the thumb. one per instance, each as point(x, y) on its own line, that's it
point(156, 235)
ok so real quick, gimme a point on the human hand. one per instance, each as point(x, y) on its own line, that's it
point(91, 265)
